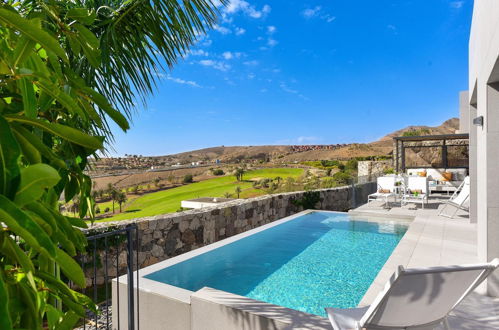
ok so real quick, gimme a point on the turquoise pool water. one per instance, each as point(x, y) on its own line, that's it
point(320, 259)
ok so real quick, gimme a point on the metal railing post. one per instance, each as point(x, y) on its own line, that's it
point(131, 309)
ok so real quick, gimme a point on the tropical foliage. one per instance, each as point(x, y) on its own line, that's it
point(65, 69)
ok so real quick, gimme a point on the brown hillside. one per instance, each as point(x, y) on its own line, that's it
point(284, 153)
point(287, 154)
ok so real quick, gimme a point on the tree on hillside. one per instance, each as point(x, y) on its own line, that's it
point(238, 173)
point(121, 198)
point(114, 196)
point(238, 191)
point(278, 179)
point(188, 178)
point(65, 70)
point(227, 195)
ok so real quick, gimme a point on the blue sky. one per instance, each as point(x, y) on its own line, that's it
point(309, 72)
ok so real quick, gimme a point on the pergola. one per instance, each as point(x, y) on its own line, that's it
point(431, 151)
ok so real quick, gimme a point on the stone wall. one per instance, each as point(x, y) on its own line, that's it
point(165, 236)
point(370, 168)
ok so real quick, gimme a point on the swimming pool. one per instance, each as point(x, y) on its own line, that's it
point(319, 259)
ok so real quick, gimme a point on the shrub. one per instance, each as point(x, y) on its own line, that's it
point(351, 165)
point(389, 170)
point(218, 171)
point(188, 178)
point(309, 200)
point(97, 210)
point(342, 177)
point(106, 209)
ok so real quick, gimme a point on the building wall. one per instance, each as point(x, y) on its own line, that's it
point(484, 96)
point(464, 112)
point(168, 235)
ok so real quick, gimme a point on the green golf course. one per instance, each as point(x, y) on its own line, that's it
point(168, 201)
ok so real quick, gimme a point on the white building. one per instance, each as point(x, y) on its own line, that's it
point(484, 131)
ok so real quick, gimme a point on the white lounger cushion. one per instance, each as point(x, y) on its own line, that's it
point(415, 298)
point(345, 318)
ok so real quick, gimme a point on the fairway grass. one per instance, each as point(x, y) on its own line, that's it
point(168, 201)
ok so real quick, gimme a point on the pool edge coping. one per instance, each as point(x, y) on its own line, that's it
point(184, 295)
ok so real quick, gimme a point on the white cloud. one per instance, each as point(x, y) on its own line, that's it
point(222, 29)
point(251, 63)
point(198, 52)
point(391, 27)
point(240, 31)
point(271, 29)
point(456, 4)
point(285, 88)
point(263, 90)
point(307, 139)
point(231, 55)
point(318, 12)
point(311, 12)
point(227, 55)
point(218, 65)
point(251, 76)
point(246, 8)
point(183, 82)
point(271, 42)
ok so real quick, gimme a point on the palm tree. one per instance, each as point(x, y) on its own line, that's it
point(121, 198)
point(238, 191)
point(239, 174)
point(70, 65)
point(114, 196)
point(227, 195)
point(122, 62)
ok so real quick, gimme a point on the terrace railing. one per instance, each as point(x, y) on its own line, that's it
point(109, 255)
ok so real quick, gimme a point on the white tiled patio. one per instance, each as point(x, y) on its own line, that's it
point(433, 240)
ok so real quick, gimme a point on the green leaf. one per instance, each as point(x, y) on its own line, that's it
point(32, 31)
point(38, 145)
point(70, 267)
point(70, 318)
point(77, 222)
point(5, 321)
point(66, 100)
point(22, 51)
point(102, 102)
point(74, 44)
point(65, 132)
point(87, 36)
point(9, 157)
point(92, 54)
point(82, 15)
point(43, 212)
point(34, 180)
point(53, 316)
point(29, 98)
point(29, 151)
point(21, 224)
point(19, 255)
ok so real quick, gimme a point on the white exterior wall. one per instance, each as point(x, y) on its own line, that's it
point(464, 112)
point(484, 95)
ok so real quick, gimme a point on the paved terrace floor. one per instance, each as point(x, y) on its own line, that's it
point(433, 240)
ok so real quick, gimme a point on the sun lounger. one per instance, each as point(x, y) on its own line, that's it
point(415, 298)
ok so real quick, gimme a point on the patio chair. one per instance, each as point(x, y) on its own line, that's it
point(386, 189)
point(415, 298)
point(416, 191)
point(460, 200)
